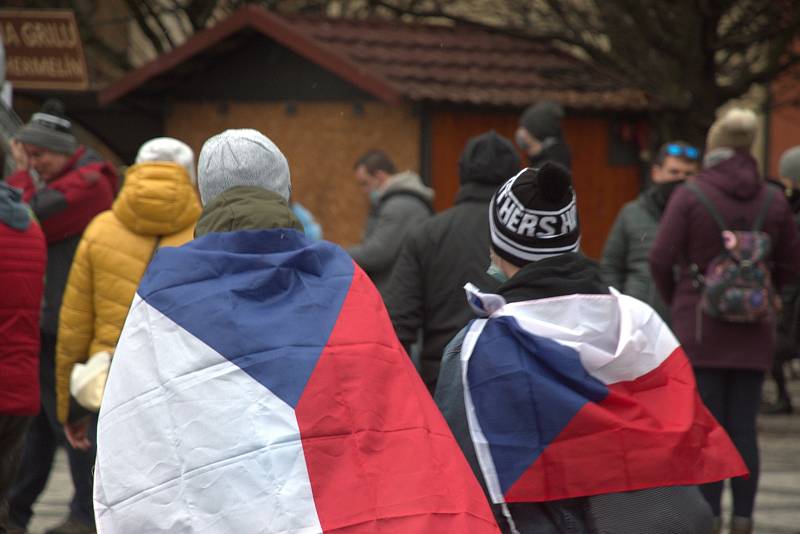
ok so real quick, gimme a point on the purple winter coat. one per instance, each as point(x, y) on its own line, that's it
point(688, 234)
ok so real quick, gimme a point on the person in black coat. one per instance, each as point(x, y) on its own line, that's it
point(445, 252)
point(540, 264)
point(539, 135)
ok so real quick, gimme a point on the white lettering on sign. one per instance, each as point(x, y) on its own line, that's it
point(43, 49)
point(49, 35)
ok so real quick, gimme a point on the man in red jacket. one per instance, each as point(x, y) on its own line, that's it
point(66, 185)
point(21, 284)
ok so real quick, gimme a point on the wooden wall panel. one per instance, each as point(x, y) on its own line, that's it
point(450, 131)
point(602, 189)
point(784, 133)
point(321, 141)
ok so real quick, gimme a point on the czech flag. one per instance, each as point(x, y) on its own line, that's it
point(584, 395)
point(258, 386)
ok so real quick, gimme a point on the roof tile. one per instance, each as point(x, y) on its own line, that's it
point(394, 60)
point(468, 65)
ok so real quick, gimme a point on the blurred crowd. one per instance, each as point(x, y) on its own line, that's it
point(77, 239)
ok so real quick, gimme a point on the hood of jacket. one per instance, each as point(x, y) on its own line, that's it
point(157, 198)
point(246, 208)
point(407, 182)
point(564, 274)
point(737, 176)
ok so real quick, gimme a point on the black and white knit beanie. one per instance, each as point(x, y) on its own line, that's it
point(534, 215)
point(50, 129)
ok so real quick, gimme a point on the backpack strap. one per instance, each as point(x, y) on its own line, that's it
point(704, 200)
point(764, 209)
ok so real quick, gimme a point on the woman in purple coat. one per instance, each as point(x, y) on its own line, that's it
point(729, 358)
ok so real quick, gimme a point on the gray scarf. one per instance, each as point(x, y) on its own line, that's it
point(12, 211)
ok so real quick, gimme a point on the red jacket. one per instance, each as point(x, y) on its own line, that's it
point(67, 204)
point(687, 234)
point(22, 264)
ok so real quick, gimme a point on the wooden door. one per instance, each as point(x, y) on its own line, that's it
point(450, 131)
point(602, 189)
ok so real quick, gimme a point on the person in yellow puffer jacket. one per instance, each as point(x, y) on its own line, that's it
point(158, 206)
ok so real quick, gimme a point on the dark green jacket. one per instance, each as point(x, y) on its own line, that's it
point(246, 208)
point(624, 263)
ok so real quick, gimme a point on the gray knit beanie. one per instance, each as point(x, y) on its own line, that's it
point(789, 166)
point(241, 157)
point(168, 149)
point(49, 129)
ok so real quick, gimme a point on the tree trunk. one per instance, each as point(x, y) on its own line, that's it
point(692, 124)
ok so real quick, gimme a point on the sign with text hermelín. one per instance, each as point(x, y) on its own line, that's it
point(43, 49)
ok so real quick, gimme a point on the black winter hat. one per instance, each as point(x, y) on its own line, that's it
point(488, 158)
point(543, 119)
point(534, 215)
point(50, 129)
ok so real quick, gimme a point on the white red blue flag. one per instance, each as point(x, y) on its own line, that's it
point(258, 386)
point(584, 395)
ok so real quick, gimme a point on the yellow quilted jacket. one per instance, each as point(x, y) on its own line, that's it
point(157, 201)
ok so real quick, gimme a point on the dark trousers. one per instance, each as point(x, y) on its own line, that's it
point(42, 440)
point(733, 396)
point(12, 434)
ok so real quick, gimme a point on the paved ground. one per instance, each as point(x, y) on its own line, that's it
point(777, 509)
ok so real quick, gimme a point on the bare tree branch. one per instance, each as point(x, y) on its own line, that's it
point(690, 56)
point(156, 18)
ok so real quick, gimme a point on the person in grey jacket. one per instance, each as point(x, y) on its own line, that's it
point(624, 262)
point(399, 201)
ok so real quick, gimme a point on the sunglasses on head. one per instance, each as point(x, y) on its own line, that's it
point(689, 152)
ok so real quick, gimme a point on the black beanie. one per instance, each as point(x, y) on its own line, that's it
point(534, 215)
point(50, 129)
point(543, 119)
point(488, 158)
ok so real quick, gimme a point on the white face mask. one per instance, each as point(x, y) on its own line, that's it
point(497, 273)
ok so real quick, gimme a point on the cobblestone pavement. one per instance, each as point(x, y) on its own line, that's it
point(777, 508)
